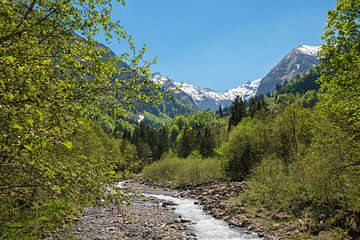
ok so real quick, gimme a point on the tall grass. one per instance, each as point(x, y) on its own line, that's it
point(177, 171)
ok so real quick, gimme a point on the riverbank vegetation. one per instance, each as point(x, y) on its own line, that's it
point(181, 172)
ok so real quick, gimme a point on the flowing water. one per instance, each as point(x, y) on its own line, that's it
point(205, 226)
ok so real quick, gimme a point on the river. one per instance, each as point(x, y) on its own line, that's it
point(203, 225)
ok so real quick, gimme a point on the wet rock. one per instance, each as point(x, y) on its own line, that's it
point(168, 203)
point(185, 221)
point(239, 222)
point(226, 218)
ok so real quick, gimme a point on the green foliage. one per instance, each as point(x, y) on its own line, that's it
point(186, 140)
point(177, 171)
point(315, 179)
point(240, 151)
point(301, 84)
point(237, 111)
point(307, 168)
point(340, 66)
point(52, 81)
point(43, 216)
point(305, 87)
point(292, 130)
point(74, 172)
point(169, 107)
point(201, 131)
point(150, 143)
point(286, 135)
point(156, 121)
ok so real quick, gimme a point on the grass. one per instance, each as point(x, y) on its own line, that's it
point(176, 171)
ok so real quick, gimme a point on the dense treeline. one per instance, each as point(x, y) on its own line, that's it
point(202, 131)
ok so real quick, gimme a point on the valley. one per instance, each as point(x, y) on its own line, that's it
point(95, 145)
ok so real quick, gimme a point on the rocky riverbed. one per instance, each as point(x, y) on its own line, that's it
point(149, 217)
point(144, 218)
point(213, 197)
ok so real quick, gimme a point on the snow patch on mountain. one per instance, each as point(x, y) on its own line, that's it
point(309, 50)
point(296, 63)
point(205, 97)
point(157, 78)
point(198, 93)
point(246, 90)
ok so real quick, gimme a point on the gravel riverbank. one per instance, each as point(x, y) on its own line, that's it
point(144, 218)
point(153, 219)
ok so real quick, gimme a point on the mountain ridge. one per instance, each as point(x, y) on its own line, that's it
point(206, 98)
point(297, 62)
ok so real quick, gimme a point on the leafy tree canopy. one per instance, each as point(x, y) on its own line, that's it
point(340, 64)
point(53, 77)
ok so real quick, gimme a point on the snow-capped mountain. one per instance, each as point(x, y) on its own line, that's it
point(205, 98)
point(297, 62)
point(246, 90)
point(309, 50)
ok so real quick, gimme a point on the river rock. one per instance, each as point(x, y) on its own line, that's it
point(279, 215)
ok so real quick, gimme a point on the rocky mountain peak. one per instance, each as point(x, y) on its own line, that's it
point(206, 98)
point(309, 50)
point(298, 62)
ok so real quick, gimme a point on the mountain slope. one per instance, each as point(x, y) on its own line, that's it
point(205, 98)
point(189, 97)
point(297, 62)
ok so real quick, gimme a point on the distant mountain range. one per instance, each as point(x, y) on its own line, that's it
point(205, 98)
point(188, 96)
point(295, 63)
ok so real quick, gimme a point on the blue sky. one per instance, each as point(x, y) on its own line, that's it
point(221, 44)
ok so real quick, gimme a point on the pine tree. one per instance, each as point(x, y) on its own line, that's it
point(237, 112)
point(185, 143)
point(208, 143)
point(220, 112)
point(252, 107)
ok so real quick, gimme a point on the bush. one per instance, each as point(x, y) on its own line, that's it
point(323, 180)
point(183, 171)
point(32, 204)
point(240, 151)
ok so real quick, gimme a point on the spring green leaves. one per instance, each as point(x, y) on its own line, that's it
point(341, 66)
point(53, 76)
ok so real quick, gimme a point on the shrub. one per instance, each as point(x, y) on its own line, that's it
point(183, 171)
point(322, 180)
